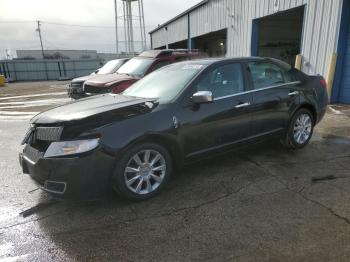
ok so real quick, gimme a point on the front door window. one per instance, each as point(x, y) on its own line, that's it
point(223, 81)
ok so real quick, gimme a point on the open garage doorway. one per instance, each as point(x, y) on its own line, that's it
point(178, 45)
point(279, 35)
point(214, 43)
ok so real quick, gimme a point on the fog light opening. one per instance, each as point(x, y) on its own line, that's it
point(55, 187)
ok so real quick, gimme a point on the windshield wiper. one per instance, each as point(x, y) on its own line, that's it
point(128, 74)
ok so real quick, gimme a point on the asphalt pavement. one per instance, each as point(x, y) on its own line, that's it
point(260, 203)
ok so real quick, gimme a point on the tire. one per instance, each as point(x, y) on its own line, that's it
point(145, 179)
point(291, 140)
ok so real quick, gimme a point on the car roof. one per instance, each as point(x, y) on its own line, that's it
point(210, 61)
point(119, 59)
point(169, 52)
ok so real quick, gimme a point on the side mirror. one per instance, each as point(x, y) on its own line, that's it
point(202, 97)
point(95, 72)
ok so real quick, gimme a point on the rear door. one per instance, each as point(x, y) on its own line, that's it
point(275, 92)
point(224, 121)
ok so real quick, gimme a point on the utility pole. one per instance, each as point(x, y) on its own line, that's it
point(42, 49)
point(41, 41)
point(116, 27)
point(7, 55)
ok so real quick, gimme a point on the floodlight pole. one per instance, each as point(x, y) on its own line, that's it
point(116, 27)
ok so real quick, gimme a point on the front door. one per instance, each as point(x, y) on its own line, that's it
point(224, 121)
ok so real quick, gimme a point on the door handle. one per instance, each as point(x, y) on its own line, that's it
point(295, 93)
point(242, 105)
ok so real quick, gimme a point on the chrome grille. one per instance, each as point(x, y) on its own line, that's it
point(94, 89)
point(77, 84)
point(48, 133)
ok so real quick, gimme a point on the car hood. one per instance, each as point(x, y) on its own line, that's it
point(115, 106)
point(101, 80)
point(83, 78)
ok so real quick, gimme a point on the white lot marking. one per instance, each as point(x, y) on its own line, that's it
point(15, 118)
point(10, 106)
point(42, 102)
point(5, 248)
point(22, 106)
point(337, 112)
point(14, 113)
point(36, 95)
point(15, 258)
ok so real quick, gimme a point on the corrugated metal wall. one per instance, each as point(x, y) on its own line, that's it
point(176, 31)
point(30, 70)
point(320, 30)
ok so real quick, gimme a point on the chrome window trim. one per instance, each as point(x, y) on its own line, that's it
point(255, 90)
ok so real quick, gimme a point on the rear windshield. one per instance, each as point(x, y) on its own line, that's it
point(137, 66)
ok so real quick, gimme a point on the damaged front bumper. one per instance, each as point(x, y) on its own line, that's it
point(75, 91)
point(82, 176)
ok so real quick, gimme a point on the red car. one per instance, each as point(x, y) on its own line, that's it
point(136, 68)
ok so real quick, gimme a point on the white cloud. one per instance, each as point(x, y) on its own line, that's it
point(83, 12)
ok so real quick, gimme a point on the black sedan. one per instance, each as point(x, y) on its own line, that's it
point(132, 142)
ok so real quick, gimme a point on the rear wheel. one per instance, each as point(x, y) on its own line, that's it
point(142, 171)
point(300, 130)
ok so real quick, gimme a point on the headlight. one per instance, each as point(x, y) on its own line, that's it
point(71, 147)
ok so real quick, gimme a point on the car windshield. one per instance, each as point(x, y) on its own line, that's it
point(109, 67)
point(136, 66)
point(166, 83)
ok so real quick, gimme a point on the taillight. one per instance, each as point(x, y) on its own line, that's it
point(323, 82)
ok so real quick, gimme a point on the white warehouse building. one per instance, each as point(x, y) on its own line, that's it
point(316, 29)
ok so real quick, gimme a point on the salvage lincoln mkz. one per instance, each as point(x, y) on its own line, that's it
point(132, 142)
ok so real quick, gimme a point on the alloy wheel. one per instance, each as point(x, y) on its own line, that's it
point(302, 129)
point(145, 172)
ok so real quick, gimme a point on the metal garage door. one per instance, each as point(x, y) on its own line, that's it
point(341, 88)
point(344, 96)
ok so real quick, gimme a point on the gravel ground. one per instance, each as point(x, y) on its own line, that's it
point(255, 204)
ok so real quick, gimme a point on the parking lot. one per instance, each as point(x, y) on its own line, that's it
point(261, 203)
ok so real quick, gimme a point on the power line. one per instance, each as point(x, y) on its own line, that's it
point(64, 24)
point(17, 22)
point(75, 25)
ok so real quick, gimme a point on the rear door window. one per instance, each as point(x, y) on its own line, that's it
point(266, 74)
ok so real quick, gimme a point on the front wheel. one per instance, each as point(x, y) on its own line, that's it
point(142, 171)
point(300, 130)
